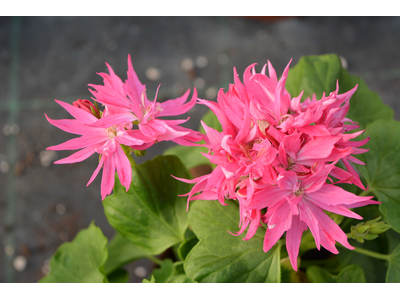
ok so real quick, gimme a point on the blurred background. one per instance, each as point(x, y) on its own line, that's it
point(44, 58)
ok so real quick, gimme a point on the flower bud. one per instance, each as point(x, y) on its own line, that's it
point(369, 236)
point(378, 228)
point(88, 106)
point(362, 229)
point(370, 222)
point(360, 239)
point(368, 231)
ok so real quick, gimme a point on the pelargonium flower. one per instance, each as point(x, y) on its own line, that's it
point(277, 153)
point(106, 132)
point(129, 103)
point(104, 141)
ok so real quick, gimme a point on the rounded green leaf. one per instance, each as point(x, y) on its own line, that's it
point(351, 274)
point(183, 279)
point(318, 74)
point(190, 156)
point(151, 215)
point(393, 273)
point(81, 260)
point(120, 252)
point(221, 257)
point(186, 247)
point(382, 168)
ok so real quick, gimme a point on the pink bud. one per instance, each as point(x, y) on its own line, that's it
point(87, 106)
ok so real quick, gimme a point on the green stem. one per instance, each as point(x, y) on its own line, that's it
point(365, 193)
point(131, 160)
point(370, 253)
point(155, 260)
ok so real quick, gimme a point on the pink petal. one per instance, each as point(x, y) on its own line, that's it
point(123, 166)
point(71, 126)
point(176, 107)
point(272, 235)
point(77, 156)
point(307, 214)
point(108, 179)
point(293, 239)
point(80, 142)
point(79, 114)
point(112, 120)
point(97, 170)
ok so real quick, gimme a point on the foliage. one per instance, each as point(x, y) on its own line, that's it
point(151, 218)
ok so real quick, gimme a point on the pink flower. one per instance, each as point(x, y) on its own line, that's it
point(104, 141)
point(128, 103)
point(277, 153)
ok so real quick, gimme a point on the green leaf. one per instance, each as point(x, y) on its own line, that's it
point(351, 274)
point(318, 74)
point(178, 271)
point(186, 246)
point(81, 260)
point(183, 279)
point(121, 252)
point(221, 257)
point(152, 280)
point(168, 271)
point(190, 156)
point(393, 273)
point(151, 215)
point(314, 75)
point(211, 120)
point(164, 272)
point(374, 269)
point(118, 276)
point(382, 169)
point(365, 105)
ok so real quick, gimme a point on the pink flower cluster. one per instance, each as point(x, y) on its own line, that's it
point(280, 154)
point(129, 119)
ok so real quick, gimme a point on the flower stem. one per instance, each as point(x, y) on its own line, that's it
point(131, 160)
point(155, 260)
point(370, 253)
point(365, 193)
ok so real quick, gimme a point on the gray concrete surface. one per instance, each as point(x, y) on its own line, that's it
point(47, 58)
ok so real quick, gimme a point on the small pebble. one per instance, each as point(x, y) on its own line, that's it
point(20, 263)
point(201, 61)
point(199, 83)
point(9, 250)
point(153, 73)
point(211, 93)
point(46, 266)
point(60, 209)
point(4, 166)
point(140, 272)
point(46, 157)
point(11, 129)
point(344, 62)
point(187, 64)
